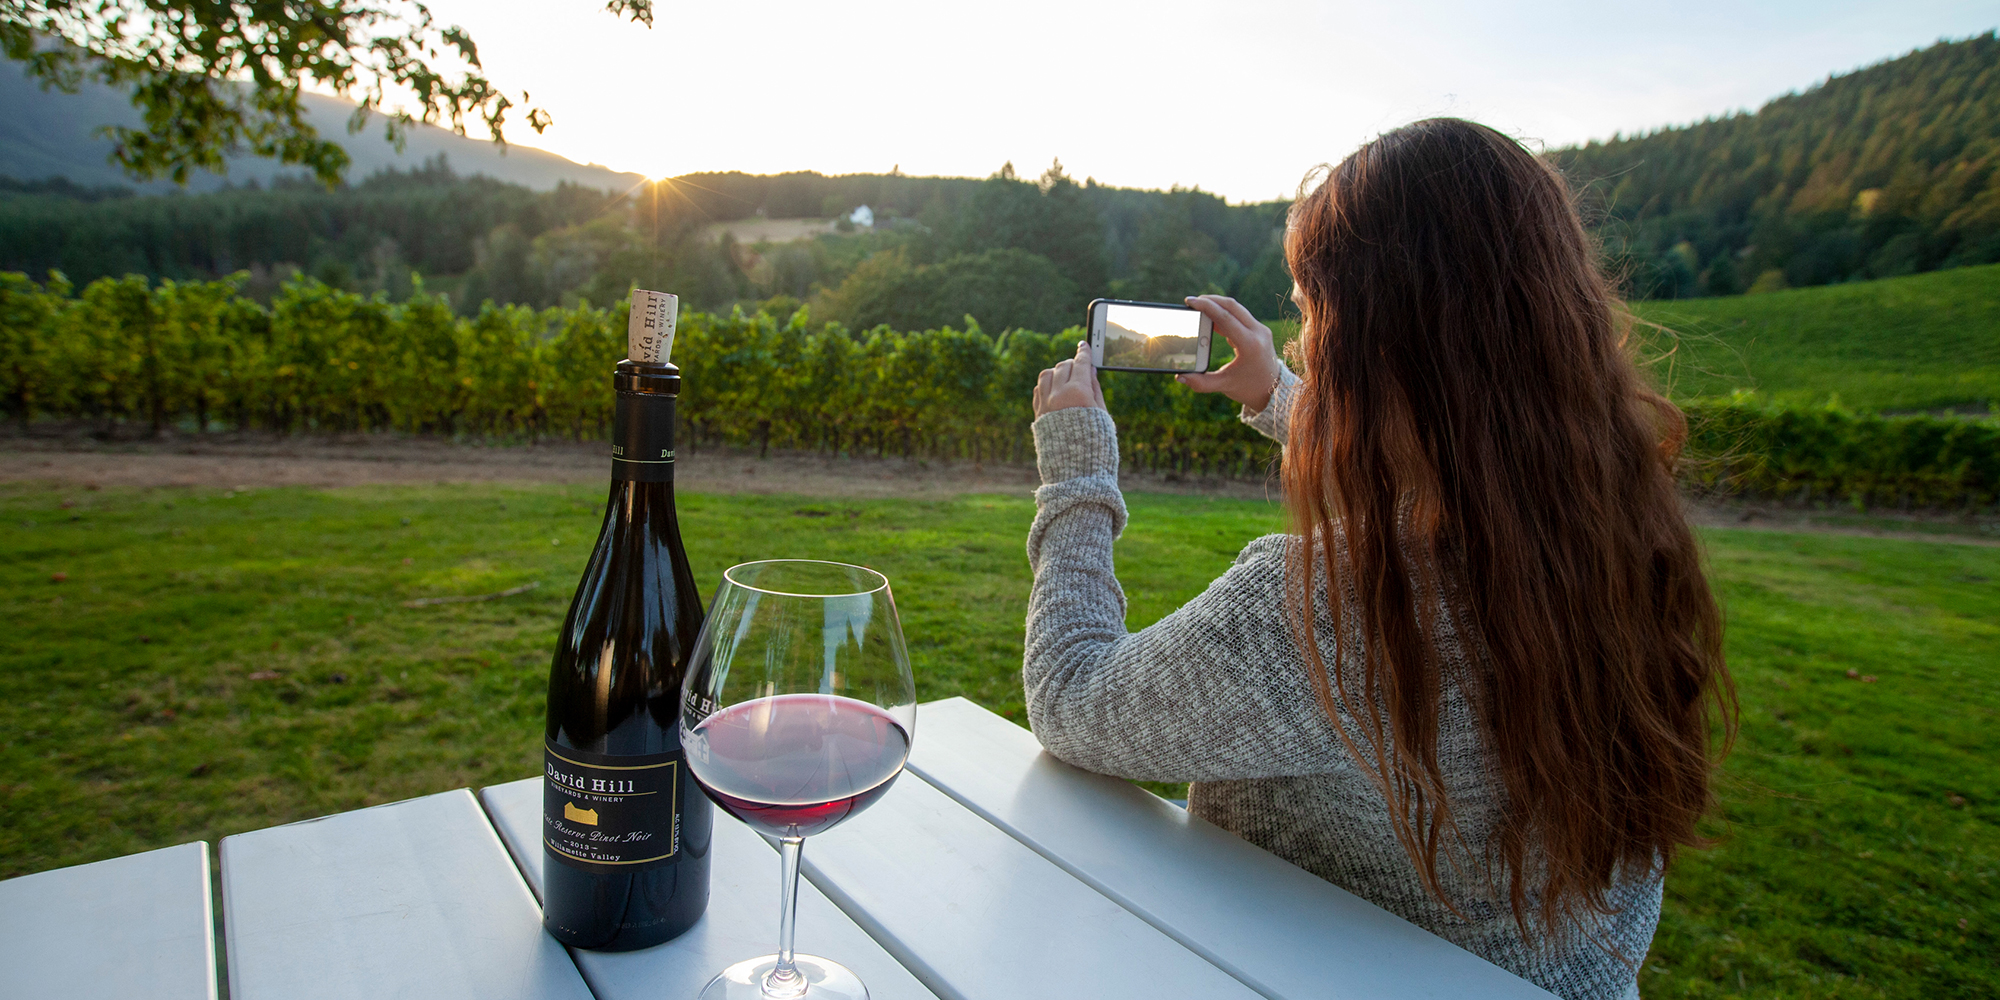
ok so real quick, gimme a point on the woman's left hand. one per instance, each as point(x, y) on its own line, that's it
point(1071, 383)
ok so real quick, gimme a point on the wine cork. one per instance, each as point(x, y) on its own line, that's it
point(650, 333)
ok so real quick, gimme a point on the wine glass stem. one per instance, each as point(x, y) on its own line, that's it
point(785, 981)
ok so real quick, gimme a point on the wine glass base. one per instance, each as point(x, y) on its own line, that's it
point(824, 980)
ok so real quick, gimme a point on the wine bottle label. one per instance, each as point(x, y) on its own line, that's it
point(605, 813)
point(649, 334)
point(642, 438)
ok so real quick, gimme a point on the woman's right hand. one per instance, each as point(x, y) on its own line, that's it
point(1249, 377)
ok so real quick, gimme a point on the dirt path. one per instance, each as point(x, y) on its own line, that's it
point(230, 461)
point(227, 461)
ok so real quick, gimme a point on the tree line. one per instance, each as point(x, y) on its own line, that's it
point(1035, 249)
point(1888, 170)
point(132, 355)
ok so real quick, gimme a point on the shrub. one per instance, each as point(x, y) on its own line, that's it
point(1743, 446)
point(324, 359)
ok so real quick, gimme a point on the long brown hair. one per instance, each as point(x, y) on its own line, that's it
point(1473, 439)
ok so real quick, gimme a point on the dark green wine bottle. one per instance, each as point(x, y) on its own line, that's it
point(625, 830)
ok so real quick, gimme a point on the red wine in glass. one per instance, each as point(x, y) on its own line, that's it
point(797, 712)
point(797, 764)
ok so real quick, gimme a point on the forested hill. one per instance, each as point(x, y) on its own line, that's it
point(1010, 251)
point(1889, 170)
point(48, 134)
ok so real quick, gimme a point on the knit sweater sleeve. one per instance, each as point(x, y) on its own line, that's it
point(1274, 420)
point(1214, 691)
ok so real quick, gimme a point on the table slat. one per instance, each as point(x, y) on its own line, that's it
point(1266, 921)
point(136, 926)
point(976, 915)
point(411, 899)
point(741, 921)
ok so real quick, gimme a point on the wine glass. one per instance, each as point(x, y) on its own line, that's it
point(797, 712)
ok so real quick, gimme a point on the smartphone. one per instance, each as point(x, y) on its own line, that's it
point(1148, 337)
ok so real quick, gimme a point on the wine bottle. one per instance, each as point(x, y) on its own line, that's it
point(625, 830)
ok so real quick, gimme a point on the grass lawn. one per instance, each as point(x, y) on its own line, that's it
point(1924, 342)
point(219, 662)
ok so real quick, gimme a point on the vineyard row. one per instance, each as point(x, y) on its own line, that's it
point(319, 359)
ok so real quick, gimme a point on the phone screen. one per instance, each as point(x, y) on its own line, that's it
point(1144, 337)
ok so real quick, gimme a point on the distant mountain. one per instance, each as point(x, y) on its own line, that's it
point(49, 134)
point(1888, 170)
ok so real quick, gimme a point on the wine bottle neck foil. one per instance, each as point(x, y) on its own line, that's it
point(642, 423)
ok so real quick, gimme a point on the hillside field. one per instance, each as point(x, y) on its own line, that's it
point(1925, 342)
point(220, 661)
point(1922, 343)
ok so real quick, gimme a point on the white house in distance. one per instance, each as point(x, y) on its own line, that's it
point(864, 217)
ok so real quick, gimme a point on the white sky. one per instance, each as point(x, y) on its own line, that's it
point(1265, 89)
point(1154, 322)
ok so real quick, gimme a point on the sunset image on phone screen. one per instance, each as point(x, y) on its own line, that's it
point(1139, 337)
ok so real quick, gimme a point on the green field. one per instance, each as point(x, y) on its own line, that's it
point(1925, 342)
point(220, 662)
point(1922, 343)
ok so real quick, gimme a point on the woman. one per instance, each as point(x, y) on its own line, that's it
point(1495, 721)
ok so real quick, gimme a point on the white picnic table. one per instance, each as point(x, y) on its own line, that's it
point(990, 870)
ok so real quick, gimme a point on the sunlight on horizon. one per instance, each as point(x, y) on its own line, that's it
point(1151, 323)
point(1242, 105)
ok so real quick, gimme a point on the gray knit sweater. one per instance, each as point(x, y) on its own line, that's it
point(1217, 694)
